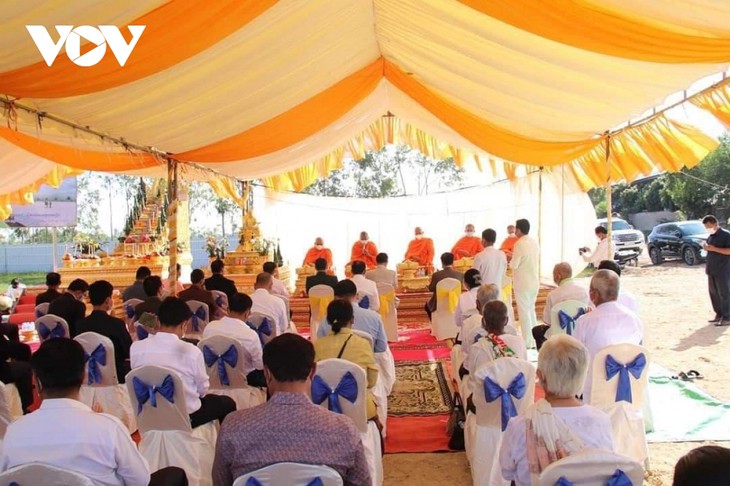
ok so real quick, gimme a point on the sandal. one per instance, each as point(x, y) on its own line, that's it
point(684, 376)
point(695, 375)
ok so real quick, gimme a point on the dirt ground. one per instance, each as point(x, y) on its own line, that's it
point(675, 307)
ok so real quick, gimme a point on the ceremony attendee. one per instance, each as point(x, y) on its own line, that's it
point(558, 425)
point(364, 250)
point(365, 288)
point(447, 271)
point(197, 291)
point(53, 282)
point(508, 244)
point(471, 328)
point(166, 348)
point(321, 277)
point(381, 274)
point(136, 290)
point(70, 305)
point(365, 320)
point(14, 368)
point(153, 288)
point(15, 290)
point(525, 278)
point(289, 427)
point(316, 252)
point(218, 282)
point(491, 263)
point(707, 465)
point(717, 269)
point(494, 343)
point(601, 252)
point(420, 250)
point(609, 323)
point(100, 322)
point(468, 245)
point(625, 297)
point(234, 326)
point(568, 289)
point(342, 343)
point(278, 286)
point(266, 303)
point(167, 283)
point(468, 300)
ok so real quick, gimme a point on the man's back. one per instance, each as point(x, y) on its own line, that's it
point(367, 288)
point(134, 291)
point(114, 328)
point(218, 282)
point(47, 297)
point(201, 295)
point(70, 309)
point(151, 306)
point(289, 428)
point(492, 265)
point(320, 278)
point(365, 320)
point(524, 263)
point(383, 275)
point(270, 305)
point(568, 289)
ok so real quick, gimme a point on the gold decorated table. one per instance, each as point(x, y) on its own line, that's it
point(119, 271)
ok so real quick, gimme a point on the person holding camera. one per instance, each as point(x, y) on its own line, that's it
point(601, 252)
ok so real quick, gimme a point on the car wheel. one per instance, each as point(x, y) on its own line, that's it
point(689, 255)
point(655, 255)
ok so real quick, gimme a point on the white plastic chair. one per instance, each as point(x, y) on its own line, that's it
point(487, 436)
point(101, 385)
point(443, 319)
point(380, 390)
point(388, 311)
point(42, 309)
point(570, 308)
point(319, 297)
point(237, 388)
point(128, 312)
point(221, 299)
point(141, 331)
point(591, 467)
point(292, 474)
point(166, 436)
point(200, 319)
point(51, 326)
point(332, 372)
point(264, 325)
point(627, 421)
point(45, 474)
point(10, 407)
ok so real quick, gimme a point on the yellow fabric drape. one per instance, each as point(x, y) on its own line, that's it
point(452, 295)
point(507, 293)
point(717, 102)
point(226, 188)
point(320, 303)
point(175, 31)
point(385, 302)
point(588, 25)
point(25, 194)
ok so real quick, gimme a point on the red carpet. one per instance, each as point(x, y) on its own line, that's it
point(419, 345)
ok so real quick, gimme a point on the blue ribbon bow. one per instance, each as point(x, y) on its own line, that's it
point(364, 302)
point(346, 388)
point(198, 315)
point(129, 309)
point(619, 478)
point(563, 481)
point(567, 322)
point(144, 392)
point(38, 313)
point(96, 358)
point(255, 482)
point(263, 330)
point(219, 301)
point(141, 332)
point(56, 332)
point(230, 357)
point(516, 388)
point(623, 390)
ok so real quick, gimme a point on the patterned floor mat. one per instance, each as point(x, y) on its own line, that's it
point(421, 388)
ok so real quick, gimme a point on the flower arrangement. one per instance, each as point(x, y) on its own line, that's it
point(85, 245)
point(215, 248)
point(263, 246)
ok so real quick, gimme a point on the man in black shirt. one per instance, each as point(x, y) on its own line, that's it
point(100, 322)
point(53, 281)
point(153, 288)
point(218, 282)
point(321, 277)
point(70, 305)
point(718, 270)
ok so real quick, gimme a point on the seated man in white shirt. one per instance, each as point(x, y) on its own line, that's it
point(468, 300)
point(568, 289)
point(277, 286)
point(365, 288)
point(67, 434)
point(494, 342)
point(268, 304)
point(601, 252)
point(166, 348)
point(609, 323)
point(625, 298)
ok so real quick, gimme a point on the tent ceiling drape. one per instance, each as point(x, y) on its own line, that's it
point(284, 90)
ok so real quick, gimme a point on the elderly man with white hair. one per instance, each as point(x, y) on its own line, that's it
point(558, 425)
point(609, 323)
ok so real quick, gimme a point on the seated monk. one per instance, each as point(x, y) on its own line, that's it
point(420, 250)
point(364, 250)
point(508, 244)
point(468, 245)
point(316, 252)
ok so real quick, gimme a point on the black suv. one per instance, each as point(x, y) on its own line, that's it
point(681, 239)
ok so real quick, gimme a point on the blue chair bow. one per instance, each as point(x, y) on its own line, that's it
point(263, 330)
point(255, 482)
point(39, 313)
point(346, 388)
point(96, 358)
point(129, 310)
point(619, 478)
point(516, 388)
point(198, 316)
point(144, 392)
point(230, 357)
point(57, 332)
point(364, 302)
point(219, 301)
point(13, 483)
point(141, 332)
point(636, 367)
point(567, 322)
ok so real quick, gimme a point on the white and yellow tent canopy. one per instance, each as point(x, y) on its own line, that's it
point(283, 90)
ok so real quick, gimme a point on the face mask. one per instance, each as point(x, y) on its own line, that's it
point(712, 230)
point(469, 233)
point(319, 247)
point(363, 241)
point(418, 237)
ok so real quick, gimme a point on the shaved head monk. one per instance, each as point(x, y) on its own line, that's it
point(508, 244)
point(420, 250)
point(318, 251)
point(468, 245)
point(364, 250)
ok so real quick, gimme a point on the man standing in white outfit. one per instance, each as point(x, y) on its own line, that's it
point(491, 262)
point(526, 279)
point(601, 252)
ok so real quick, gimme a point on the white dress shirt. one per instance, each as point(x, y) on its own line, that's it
point(627, 299)
point(168, 350)
point(467, 305)
point(524, 264)
point(568, 289)
point(66, 433)
point(492, 265)
point(609, 323)
point(271, 305)
point(367, 288)
point(279, 288)
point(481, 352)
point(381, 274)
point(599, 254)
point(239, 330)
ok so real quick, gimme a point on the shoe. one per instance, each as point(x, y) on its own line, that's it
point(715, 320)
point(723, 322)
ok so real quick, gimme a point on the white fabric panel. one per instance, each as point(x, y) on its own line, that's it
point(694, 17)
point(20, 168)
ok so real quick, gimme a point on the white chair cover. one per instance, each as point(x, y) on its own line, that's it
point(292, 474)
point(591, 467)
point(292, 327)
point(457, 358)
point(47, 475)
point(140, 331)
point(487, 436)
point(443, 320)
point(201, 316)
point(332, 371)
point(389, 313)
point(269, 330)
point(128, 312)
point(49, 323)
point(167, 439)
point(570, 307)
point(238, 389)
point(380, 390)
point(107, 395)
point(42, 309)
point(221, 299)
point(10, 407)
point(318, 292)
point(627, 421)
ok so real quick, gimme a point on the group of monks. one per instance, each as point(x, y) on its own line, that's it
point(420, 249)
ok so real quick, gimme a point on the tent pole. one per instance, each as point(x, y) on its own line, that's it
point(562, 212)
point(609, 202)
point(539, 223)
point(172, 181)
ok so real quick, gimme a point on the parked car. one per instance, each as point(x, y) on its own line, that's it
point(626, 239)
point(680, 239)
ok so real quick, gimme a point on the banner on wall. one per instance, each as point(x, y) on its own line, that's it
point(53, 207)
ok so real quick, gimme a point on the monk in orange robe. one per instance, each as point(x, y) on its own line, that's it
point(420, 250)
point(508, 244)
point(318, 251)
point(364, 250)
point(468, 245)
